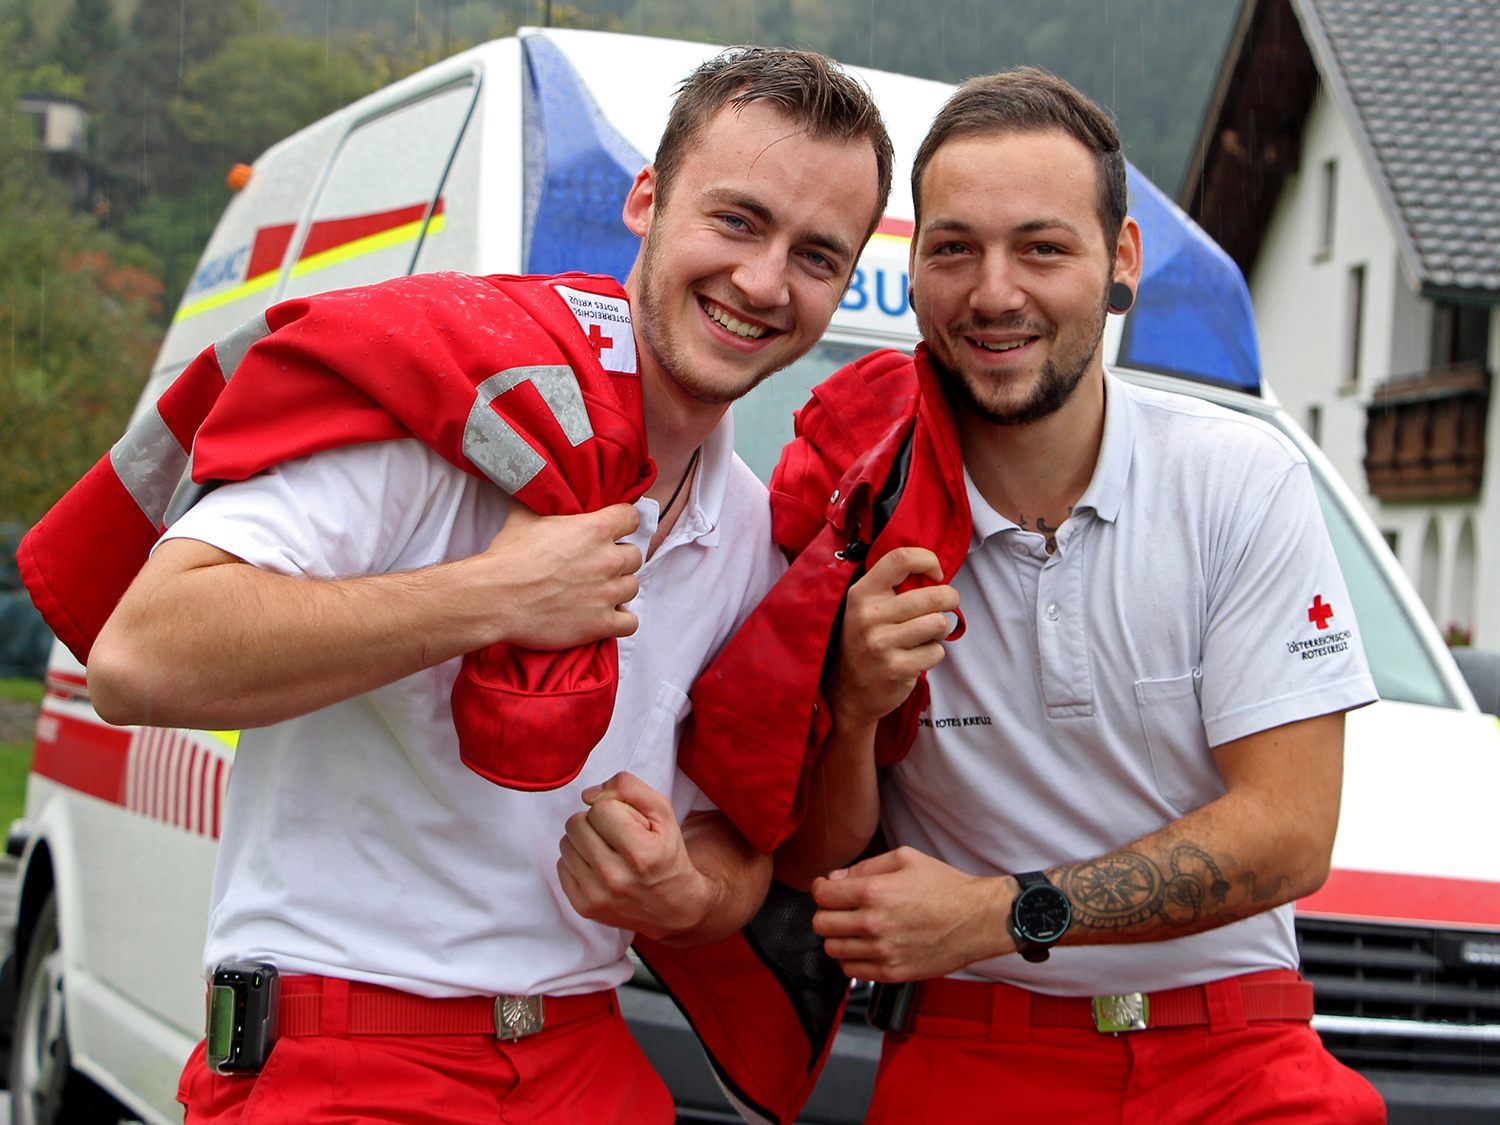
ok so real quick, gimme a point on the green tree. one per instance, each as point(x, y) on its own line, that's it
point(86, 40)
point(76, 307)
point(259, 88)
point(137, 141)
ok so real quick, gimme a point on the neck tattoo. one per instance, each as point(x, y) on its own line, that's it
point(692, 464)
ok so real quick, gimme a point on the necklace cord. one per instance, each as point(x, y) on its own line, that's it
point(692, 464)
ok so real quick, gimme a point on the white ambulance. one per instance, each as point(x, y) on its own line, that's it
point(514, 157)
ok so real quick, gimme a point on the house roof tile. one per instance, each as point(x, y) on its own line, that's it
point(1423, 76)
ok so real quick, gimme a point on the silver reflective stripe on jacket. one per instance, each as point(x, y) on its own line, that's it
point(149, 460)
point(493, 444)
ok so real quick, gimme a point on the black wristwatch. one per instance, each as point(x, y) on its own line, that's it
point(1039, 916)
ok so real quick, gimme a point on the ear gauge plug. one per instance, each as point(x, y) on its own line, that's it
point(1121, 297)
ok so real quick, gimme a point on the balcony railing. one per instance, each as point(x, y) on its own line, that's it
point(1425, 434)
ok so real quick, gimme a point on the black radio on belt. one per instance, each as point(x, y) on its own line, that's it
point(242, 999)
point(891, 1006)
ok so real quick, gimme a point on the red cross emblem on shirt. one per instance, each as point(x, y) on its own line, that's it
point(1319, 612)
point(598, 340)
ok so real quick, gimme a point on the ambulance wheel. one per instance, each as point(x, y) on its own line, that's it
point(44, 1087)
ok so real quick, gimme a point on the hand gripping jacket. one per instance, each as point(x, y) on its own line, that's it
point(875, 465)
point(495, 374)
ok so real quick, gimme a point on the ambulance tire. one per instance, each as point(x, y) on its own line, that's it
point(44, 1087)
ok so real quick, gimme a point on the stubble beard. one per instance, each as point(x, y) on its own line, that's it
point(656, 330)
point(1053, 386)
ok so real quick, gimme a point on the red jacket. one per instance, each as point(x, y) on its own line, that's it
point(495, 374)
point(875, 465)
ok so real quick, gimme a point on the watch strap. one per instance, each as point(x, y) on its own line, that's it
point(1029, 948)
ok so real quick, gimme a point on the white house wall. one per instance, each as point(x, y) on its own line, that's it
point(1300, 294)
point(1487, 512)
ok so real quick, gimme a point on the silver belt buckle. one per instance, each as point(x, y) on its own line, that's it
point(1124, 1011)
point(517, 1016)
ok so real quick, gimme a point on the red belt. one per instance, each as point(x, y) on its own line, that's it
point(1277, 994)
point(312, 1005)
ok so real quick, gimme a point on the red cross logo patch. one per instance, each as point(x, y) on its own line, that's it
point(1319, 612)
point(605, 322)
point(598, 340)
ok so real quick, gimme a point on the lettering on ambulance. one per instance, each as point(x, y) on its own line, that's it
point(173, 776)
point(857, 296)
point(217, 271)
point(879, 289)
point(262, 264)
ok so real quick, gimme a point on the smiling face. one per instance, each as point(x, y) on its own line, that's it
point(745, 260)
point(1011, 271)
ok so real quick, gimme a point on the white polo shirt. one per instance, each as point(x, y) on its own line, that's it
point(356, 844)
point(1184, 608)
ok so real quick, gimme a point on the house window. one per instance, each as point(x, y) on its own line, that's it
point(1354, 322)
point(1315, 424)
point(1326, 214)
point(1460, 334)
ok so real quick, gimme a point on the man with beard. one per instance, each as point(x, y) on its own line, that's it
point(1128, 769)
point(438, 960)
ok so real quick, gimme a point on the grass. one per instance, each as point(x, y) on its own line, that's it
point(15, 764)
point(15, 757)
point(21, 691)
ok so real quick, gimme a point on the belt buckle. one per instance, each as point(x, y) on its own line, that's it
point(1123, 1011)
point(517, 1016)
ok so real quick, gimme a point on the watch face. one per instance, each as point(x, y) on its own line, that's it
point(1042, 913)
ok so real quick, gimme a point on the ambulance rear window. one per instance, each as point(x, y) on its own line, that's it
point(381, 198)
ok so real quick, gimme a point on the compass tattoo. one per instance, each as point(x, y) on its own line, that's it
point(1128, 889)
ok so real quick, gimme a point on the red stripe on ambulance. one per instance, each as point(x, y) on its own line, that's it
point(269, 248)
point(221, 787)
point(328, 234)
point(85, 756)
point(1385, 896)
point(165, 775)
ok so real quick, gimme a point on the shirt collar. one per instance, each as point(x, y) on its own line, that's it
point(705, 502)
point(984, 519)
point(1106, 489)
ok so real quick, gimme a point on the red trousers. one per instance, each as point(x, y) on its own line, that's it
point(587, 1070)
point(1262, 1071)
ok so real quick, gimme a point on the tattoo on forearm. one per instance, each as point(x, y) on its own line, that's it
point(1128, 889)
point(1271, 891)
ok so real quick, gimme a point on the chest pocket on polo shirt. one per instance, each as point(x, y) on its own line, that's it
point(1172, 725)
point(653, 759)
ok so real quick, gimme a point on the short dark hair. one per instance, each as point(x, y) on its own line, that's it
point(810, 88)
point(1024, 100)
